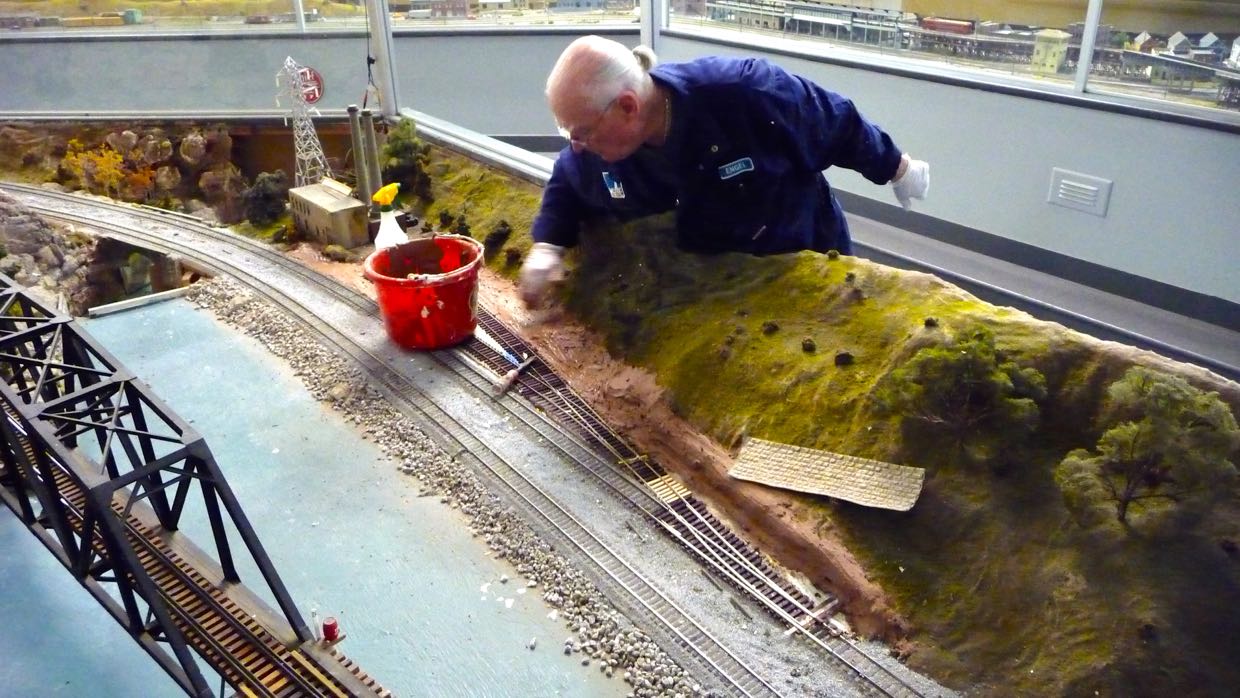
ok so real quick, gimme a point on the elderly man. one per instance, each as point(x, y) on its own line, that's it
point(736, 146)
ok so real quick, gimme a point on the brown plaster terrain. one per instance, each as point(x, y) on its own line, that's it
point(633, 404)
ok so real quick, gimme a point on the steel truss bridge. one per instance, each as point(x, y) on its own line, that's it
point(100, 470)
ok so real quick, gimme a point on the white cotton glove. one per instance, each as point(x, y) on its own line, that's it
point(543, 266)
point(914, 184)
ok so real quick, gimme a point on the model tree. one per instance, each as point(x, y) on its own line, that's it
point(404, 160)
point(99, 171)
point(1165, 443)
point(968, 391)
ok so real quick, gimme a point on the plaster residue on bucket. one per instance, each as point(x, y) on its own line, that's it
point(427, 290)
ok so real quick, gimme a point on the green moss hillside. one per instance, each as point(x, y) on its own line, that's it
point(485, 197)
point(1006, 593)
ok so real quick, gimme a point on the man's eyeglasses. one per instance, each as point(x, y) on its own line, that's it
point(581, 136)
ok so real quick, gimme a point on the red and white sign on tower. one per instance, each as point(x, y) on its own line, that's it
point(304, 86)
point(311, 84)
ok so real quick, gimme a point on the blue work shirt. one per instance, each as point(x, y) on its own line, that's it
point(742, 165)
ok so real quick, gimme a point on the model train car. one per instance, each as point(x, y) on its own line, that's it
point(949, 26)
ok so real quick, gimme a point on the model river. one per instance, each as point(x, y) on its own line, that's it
point(426, 610)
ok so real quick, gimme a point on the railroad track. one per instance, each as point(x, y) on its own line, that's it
point(578, 432)
point(242, 651)
point(649, 488)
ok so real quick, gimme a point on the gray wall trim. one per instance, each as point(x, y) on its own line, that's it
point(534, 144)
point(612, 31)
point(1199, 306)
point(130, 37)
point(1115, 104)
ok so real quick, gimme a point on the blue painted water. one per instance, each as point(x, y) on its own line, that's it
point(421, 602)
point(57, 640)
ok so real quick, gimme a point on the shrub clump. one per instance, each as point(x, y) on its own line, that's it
point(265, 201)
point(495, 240)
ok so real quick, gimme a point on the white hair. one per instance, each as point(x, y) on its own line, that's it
point(610, 68)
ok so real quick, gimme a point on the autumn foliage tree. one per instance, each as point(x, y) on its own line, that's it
point(968, 391)
point(140, 182)
point(1165, 443)
point(108, 171)
point(99, 171)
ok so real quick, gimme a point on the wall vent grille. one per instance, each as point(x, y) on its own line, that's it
point(1079, 191)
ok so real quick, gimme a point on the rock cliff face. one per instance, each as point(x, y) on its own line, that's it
point(176, 166)
point(49, 261)
point(73, 271)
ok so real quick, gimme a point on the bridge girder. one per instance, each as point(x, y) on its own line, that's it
point(57, 384)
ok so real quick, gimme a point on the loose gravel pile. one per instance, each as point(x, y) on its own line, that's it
point(600, 635)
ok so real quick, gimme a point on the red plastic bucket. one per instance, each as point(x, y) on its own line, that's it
point(427, 289)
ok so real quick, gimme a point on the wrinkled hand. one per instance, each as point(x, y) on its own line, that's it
point(913, 184)
point(544, 265)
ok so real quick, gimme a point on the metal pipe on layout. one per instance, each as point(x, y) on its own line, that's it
point(360, 167)
point(372, 151)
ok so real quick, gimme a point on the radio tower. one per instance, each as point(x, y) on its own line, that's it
point(300, 84)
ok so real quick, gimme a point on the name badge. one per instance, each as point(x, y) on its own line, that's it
point(736, 167)
point(613, 186)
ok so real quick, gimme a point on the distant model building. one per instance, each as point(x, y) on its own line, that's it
point(1101, 38)
point(1050, 49)
point(1143, 43)
point(1179, 44)
point(1229, 88)
point(448, 8)
point(420, 9)
point(324, 211)
point(579, 5)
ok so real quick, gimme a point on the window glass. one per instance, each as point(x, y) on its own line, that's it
point(139, 15)
point(1036, 43)
point(1029, 40)
point(516, 13)
point(278, 15)
point(1181, 52)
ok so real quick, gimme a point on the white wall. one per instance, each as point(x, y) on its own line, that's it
point(143, 74)
point(492, 85)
